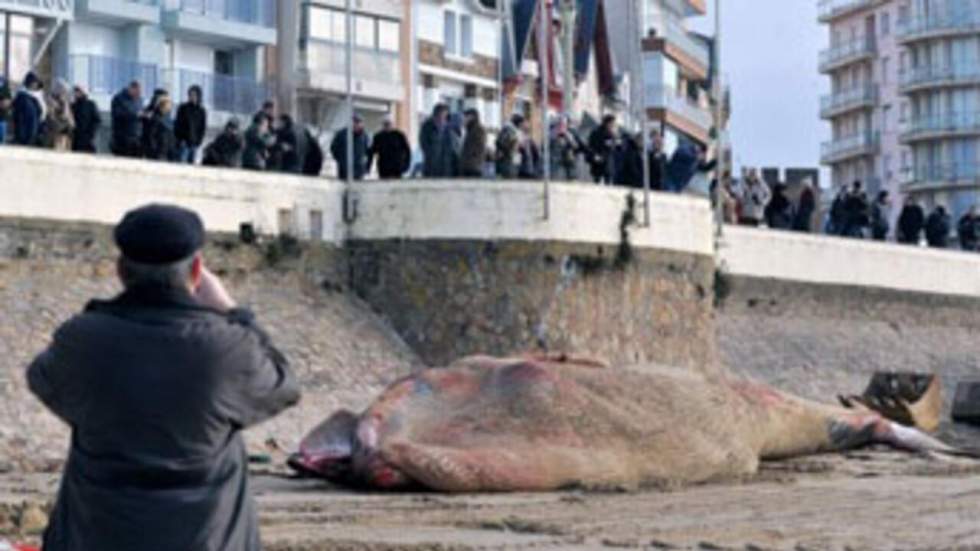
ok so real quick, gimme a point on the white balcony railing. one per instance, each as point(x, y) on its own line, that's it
point(929, 75)
point(849, 146)
point(830, 9)
point(946, 123)
point(840, 54)
point(848, 99)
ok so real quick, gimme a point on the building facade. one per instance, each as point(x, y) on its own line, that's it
point(103, 45)
point(458, 46)
point(865, 108)
point(941, 41)
point(674, 64)
point(311, 61)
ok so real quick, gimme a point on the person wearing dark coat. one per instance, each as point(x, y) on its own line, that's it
point(29, 111)
point(805, 207)
point(603, 142)
point(440, 145)
point(779, 212)
point(226, 149)
point(628, 157)
point(258, 143)
point(911, 222)
point(191, 125)
point(127, 123)
point(658, 162)
point(157, 385)
point(506, 156)
point(291, 145)
point(968, 229)
point(688, 159)
point(565, 147)
point(362, 144)
point(313, 163)
point(159, 140)
point(937, 228)
point(87, 122)
point(474, 151)
point(879, 216)
point(391, 148)
point(856, 212)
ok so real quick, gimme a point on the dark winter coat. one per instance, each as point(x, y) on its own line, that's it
point(87, 123)
point(505, 152)
point(910, 224)
point(224, 151)
point(440, 149)
point(192, 124)
point(338, 149)
point(629, 164)
point(602, 145)
point(394, 154)
point(658, 170)
point(879, 221)
point(779, 212)
point(257, 147)
point(159, 141)
point(156, 390)
point(474, 152)
point(803, 218)
point(968, 229)
point(313, 163)
point(126, 125)
point(937, 229)
point(6, 100)
point(292, 145)
point(27, 118)
point(529, 167)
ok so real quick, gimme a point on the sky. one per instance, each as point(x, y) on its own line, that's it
point(769, 58)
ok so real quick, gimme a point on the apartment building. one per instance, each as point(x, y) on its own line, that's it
point(941, 44)
point(865, 109)
point(311, 64)
point(675, 65)
point(218, 45)
point(458, 44)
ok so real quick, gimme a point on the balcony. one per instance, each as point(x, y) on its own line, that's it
point(108, 75)
point(120, 11)
point(224, 22)
point(829, 10)
point(377, 73)
point(849, 147)
point(948, 125)
point(838, 56)
point(935, 77)
point(844, 102)
point(675, 42)
point(923, 28)
point(222, 93)
point(943, 176)
point(666, 104)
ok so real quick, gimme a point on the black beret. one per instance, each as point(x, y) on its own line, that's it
point(159, 234)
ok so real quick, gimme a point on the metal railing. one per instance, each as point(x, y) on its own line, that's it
point(856, 144)
point(966, 22)
point(667, 97)
point(324, 56)
point(238, 95)
point(944, 123)
point(855, 97)
point(108, 75)
point(841, 53)
point(252, 12)
point(946, 172)
point(931, 75)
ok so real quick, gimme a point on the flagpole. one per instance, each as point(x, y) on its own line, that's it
point(719, 123)
point(349, 20)
point(543, 52)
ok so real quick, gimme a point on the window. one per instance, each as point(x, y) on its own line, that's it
point(364, 32)
point(885, 67)
point(389, 35)
point(886, 113)
point(903, 112)
point(903, 14)
point(886, 23)
point(449, 31)
point(327, 24)
point(466, 36)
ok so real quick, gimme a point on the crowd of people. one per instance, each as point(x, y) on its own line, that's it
point(67, 119)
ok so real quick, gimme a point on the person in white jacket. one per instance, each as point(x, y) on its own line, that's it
point(755, 197)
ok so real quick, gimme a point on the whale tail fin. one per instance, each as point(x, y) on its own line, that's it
point(914, 440)
point(912, 399)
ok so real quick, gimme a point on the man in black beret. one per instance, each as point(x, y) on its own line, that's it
point(156, 385)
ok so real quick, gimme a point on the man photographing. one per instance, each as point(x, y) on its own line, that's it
point(156, 385)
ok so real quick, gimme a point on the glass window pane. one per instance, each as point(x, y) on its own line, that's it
point(389, 35)
point(364, 31)
point(320, 23)
point(339, 33)
point(450, 33)
point(466, 36)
